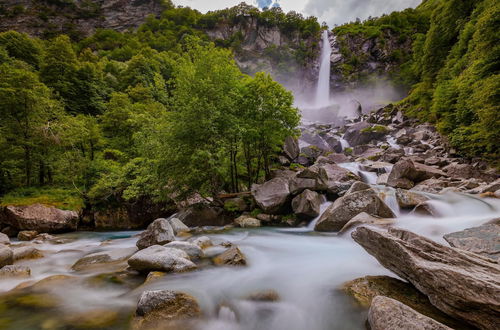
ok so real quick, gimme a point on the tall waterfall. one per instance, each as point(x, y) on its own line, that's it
point(323, 88)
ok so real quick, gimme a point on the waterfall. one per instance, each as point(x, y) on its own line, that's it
point(323, 88)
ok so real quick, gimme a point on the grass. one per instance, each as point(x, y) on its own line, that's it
point(62, 198)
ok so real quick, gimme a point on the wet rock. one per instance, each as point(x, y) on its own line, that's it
point(192, 250)
point(291, 148)
point(267, 296)
point(15, 271)
point(231, 257)
point(44, 237)
point(461, 284)
point(389, 314)
point(6, 256)
point(161, 258)
point(409, 199)
point(235, 204)
point(347, 207)
point(163, 308)
point(4, 239)
point(483, 240)
point(246, 221)
point(431, 186)
point(203, 242)
point(382, 179)
point(405, 173)
point(272, 196)
point(203, 214)
point(154, 276)
point(100, 259)
point(177, 226)
point(365, 219)
point(27, 252)
point(27, 235)
point(158, 233)
point(307, 205)
point(92, 319)
point(40, 218)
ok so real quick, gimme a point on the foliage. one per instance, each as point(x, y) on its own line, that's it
point(62, 198)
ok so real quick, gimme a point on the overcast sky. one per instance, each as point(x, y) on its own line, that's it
point(330, 11)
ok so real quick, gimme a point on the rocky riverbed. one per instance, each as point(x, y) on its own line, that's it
point(376, 219)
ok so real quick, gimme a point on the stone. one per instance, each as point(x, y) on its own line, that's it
point(431, 186)
point(27, 235)
point(100, 259)
point(231, 257)
point(483, 240)
point(160, 309)
point(203, 214)
point(154, 276)
point(40, 218)
point(6, 256)
point(4, 239)
point(92, 319)
point(177, 225)
point(272, 196)
point(203, 242)
point(192, 250)
point(365, 219)
point(158, 233)
point(405, 173)
point(291, 148)
point(363, 132)
point(15, 271)
point(347, 207)
point(298, 185)
point(265, 296)
point(357, 186)
point(160, 258)
point(246, 221)
point(462, 284)
point(409, 199)
point(27, 252)
point(307, 205)
point(334, 158)
point(389, 314)
point(466, 171)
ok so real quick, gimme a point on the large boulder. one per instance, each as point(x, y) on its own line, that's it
point(4, 239)
point(409, 199)
point(160, 258)
point(484, 240)
point(347, 207)
point(466, 171)
point(46, 219)
point(366, 219)
point(273, 196)
point(460, 283)
point(363, 132)
point(158, 233)
point(291, 148)
point(307, 205)
point(99, 259)
point(177, 225)
point(405, 173)
point(161, 309)
point(203, 214)
point(389, 314)
point(6, 256)
point(192, 250)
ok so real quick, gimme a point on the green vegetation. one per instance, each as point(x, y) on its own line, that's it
point(156, 114)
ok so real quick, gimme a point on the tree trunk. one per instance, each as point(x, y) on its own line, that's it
point(41, 173)
point(27, 165)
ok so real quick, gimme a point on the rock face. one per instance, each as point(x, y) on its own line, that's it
point(40, 218)
point(350, 205)
point(389, 314)
point(406, 173)
point(160, 258)
point(307, 205)
point(158, 233)
point(460, 283)
point(272, 196)
point(484, 240)
point(162, 308)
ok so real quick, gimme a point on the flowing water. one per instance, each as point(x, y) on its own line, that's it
point(323, 88)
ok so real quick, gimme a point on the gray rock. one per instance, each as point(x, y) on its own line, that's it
point(460, 283)
point(347, 207)
point(389, 314)
point(6, 256)
point(40, 218)
point(177, 225)
point(409, 199)
point(291, 148)
point(307, 205)
point(483, 240)
point(192, 250)
point(27, 252)
point(246, 221)
point(15, 271)
point(159, 232)
point(365, 219)
point(4, 239)
point(231, 257)
point(272, 196)
point(203, 214)
point(103, 258)
point(364, 132)
point(405, 173)
point(203, 242)
point(161, 258)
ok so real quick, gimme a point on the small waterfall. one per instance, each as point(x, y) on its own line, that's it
point(322, 210)
point(323, 88)
point(344, 143)
point(366, 176)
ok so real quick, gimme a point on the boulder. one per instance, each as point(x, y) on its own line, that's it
point(203, 214)
point(466, 171)
point(389, 314)
point(460, 283)
point(334, 158)
point(27, 252)
point(192, 250)
point(203, 242)
point(15, 271)
point(6, 256)
point(177, 225)
point(409, 199)
point(291, 148)
point(347, 207)
point(103, 258)
point(405, 173)
point(246, 221)
point(272, 196)
point(483, 240)
point(431, 185)
point(365, 219)
point(231, 257)
point(4, 239)
point(158, 233)
point(363, 132)
point(161, 258)
point(315, 141)
point(161, 309)
point(307, 205)
point(27, 235)
point(41, 218)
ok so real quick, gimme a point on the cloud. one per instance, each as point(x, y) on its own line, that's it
point(343, 11)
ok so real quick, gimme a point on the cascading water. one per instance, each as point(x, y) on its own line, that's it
point(323, 88)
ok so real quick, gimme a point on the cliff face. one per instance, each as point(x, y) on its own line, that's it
point(77, 18)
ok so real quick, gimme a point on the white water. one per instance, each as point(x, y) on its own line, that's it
point(323, 88)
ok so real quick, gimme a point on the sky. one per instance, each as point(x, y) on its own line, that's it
point(330, 11)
